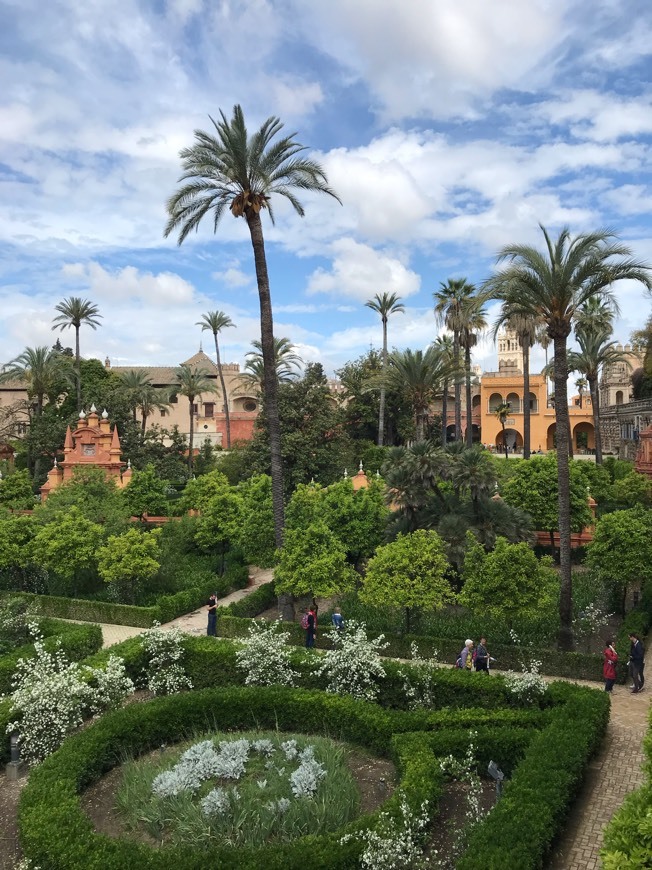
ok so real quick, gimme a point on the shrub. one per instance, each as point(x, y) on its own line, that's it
point(165, 673)
point(255, 603)
point(265, 656)
point(353, 667)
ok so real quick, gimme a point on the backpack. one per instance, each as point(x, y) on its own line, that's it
point(305, 624)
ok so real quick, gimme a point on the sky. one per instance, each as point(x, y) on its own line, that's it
point(448, 129)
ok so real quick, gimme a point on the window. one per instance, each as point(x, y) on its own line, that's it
point(249, 405)
point(195, 408)
point(164, 413)
point(174, 398)
point(209, 409)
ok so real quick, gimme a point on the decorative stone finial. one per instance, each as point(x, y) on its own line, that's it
point(56, 464)
point(82, 415)
point(360, 468)
point(377, 472)
point(129, 465)
point(346, 473)
point(312, 481)
point(105, 414)
point(93, 408)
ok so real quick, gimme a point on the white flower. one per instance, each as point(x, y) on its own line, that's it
point(353, 666)
point(165, 673)
point(265, 655)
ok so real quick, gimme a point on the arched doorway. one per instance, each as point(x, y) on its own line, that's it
point(450, 432)
point(584, 437)
point(551, 437)
point(513, 440)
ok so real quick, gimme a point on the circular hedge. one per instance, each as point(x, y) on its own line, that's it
point(55, 832)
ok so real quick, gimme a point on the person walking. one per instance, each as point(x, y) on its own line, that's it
point(466, 656)
point(338, 620)
point(309, 622)
point(609, 668)
point(211, 629)
point(636, 663)
point(482, 656)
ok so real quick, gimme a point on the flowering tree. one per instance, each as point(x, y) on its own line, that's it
point(165, 673)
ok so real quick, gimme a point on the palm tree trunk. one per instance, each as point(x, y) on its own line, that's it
point(467, 378)
point(595, 404)
point(191, 436)
point(565, 638)
point(227, 418)
point(419, 434)
point(502, 423)
point(444, 415)
point(143, 422)
point(458, 387)
point(526, 400)
point(381, 411)
point(270, 389)
point(78, 368)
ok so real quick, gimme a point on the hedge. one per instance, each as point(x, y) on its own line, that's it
point(258, 601)
point(523, 826)
point(55, 832)
point(628, 836)
point(547, 767)
point(167, 608)
point(584, 666)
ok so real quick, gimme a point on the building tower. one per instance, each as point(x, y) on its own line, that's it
point(510, 353)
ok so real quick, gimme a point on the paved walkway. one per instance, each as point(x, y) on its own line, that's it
point(612, 775)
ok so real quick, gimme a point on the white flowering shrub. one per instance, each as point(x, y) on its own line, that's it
point(110, 685)
point(353, 667)
point(419, 679)
point(17, 620)
point(165, 673)
point(395, 843)
point(463, 770)
point(528, 685)
point(48, 702)
point(589, 621)
point(265, 655)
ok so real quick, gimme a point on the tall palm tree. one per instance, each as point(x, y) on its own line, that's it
point(553, 285)
point(502, 413)
point(152, 399)
point(215, 322)
point(474, 321)
point(192, 383)
point(542, 338)
point(581, 385)
point(418, 375)
point(448, 311)
point(388, 303)
point(526, 333)
point(74, 312)
point(596, 351)
point(286, 363)
point(134, 382)
point(443, 344)
point(228, 168)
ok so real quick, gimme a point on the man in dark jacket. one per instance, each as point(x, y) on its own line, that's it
point(636, 662)
point(482, 656)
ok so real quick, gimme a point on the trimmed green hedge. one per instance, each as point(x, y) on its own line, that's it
point(519, 832)
point(55, 832)
point(167, 608)
point(580, 666)
point(628, 836)
point(256, 602)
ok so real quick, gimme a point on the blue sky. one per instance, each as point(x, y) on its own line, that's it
point(448, 130)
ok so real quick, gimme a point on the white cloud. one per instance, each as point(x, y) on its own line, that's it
point(129, 283)
point(359, 272)
point(234, 277)
point(600, 117)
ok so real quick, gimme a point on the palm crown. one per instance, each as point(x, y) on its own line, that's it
point(229, 168)
point(385, 304)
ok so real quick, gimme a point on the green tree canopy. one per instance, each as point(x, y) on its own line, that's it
point(198, 492)
point(16, 491)
point(16, 533)
point(620, 553)
point(95, 496)
point(129, 560)
point(409, 572)
point(313, 561)
point(507, 583)
point(146, 493)
point(68, 546)
point(219, 522)
point(533, 488)
point(255, 534)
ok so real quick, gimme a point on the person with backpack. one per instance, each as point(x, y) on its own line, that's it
point(309, 625)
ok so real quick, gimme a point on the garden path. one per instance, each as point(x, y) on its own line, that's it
point(611, 776)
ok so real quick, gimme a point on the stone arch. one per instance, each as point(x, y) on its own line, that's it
point(248, 404)
point(551, 437)
point(534, 403)
point(513, 439)
point(619, 397)
point(495, 400)
point(584, 436)
point(514, 402)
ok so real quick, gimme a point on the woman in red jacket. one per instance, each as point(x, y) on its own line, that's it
point(609, 669)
